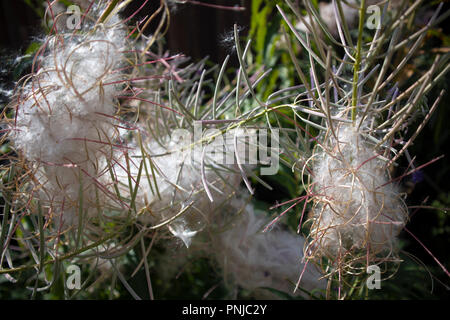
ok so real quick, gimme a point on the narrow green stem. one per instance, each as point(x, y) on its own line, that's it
point(108, 11)
point(211, 137)
point(362, 13)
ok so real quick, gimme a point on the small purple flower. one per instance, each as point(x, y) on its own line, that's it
point(417, 176)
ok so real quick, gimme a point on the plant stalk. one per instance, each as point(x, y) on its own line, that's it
point(362, 13)
point(108, 11)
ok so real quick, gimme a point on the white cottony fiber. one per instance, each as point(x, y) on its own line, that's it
point(273, 259)
point(179, 184)
point(64, 121)
point(356, 206)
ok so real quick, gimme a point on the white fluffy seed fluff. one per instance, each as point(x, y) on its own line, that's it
point(178, 178)
point(356, 206)
point(64, 119)
point(254, 259)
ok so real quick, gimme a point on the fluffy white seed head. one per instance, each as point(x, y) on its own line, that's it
point(255, 259)
point(64, 123)
point(356, 207)
point(175, 184)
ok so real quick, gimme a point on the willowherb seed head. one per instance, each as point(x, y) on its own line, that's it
point(64, 121)
point(356, 207)
point(172, 183)
point(255, 259)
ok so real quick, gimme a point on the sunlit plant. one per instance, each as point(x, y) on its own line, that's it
point(119, 147)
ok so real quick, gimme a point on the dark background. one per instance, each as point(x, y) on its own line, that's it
point(195, 30)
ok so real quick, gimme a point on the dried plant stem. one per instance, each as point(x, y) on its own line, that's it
point(362, 11)
point(108, 11)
